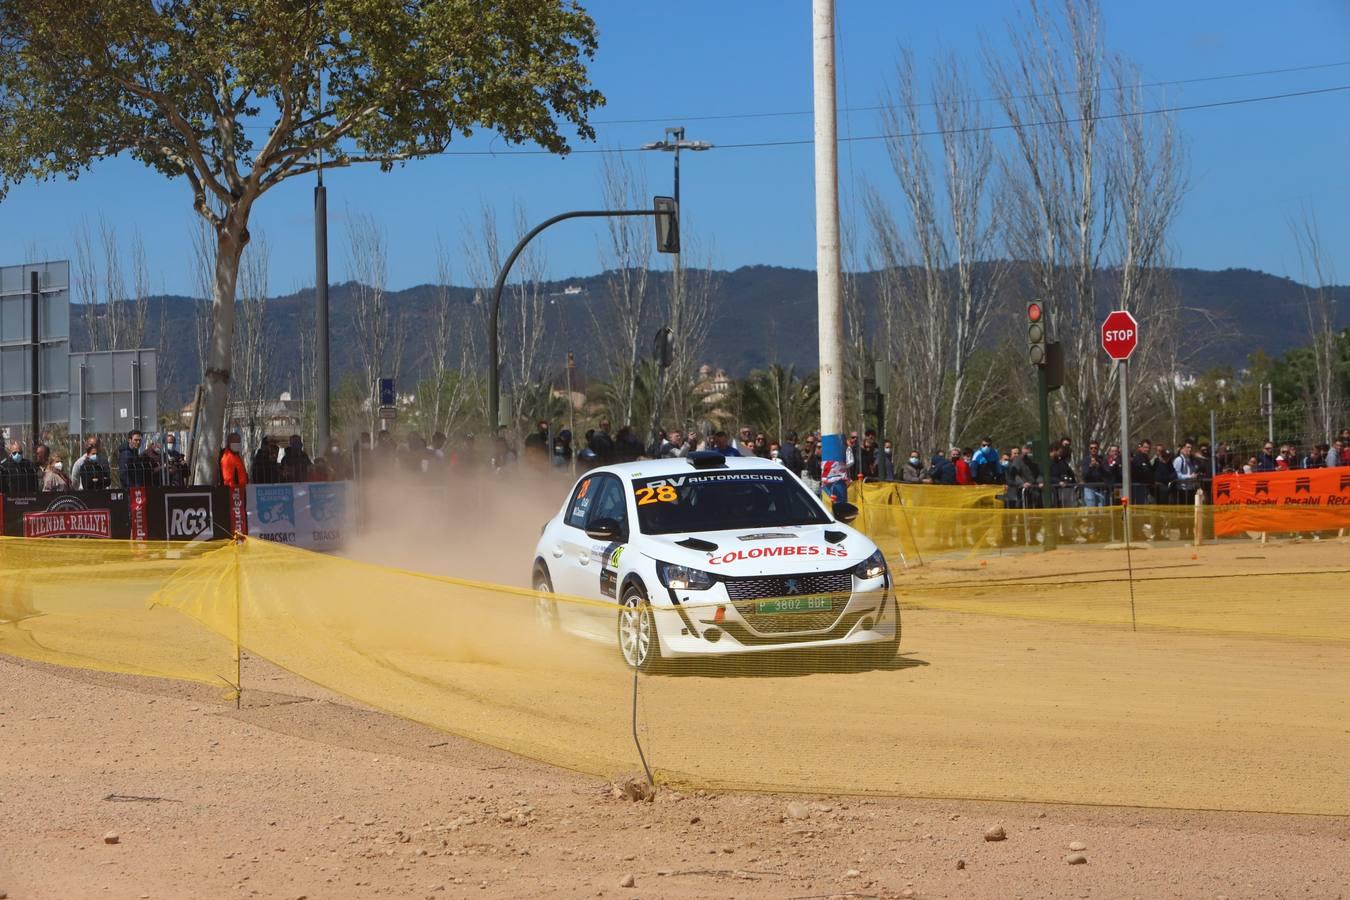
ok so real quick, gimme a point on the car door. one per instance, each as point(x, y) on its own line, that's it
point(569, 561)
point(591, 563)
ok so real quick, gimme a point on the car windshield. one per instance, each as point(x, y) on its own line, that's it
point(712, 501)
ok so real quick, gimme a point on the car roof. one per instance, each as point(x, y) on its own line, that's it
point(651, 468)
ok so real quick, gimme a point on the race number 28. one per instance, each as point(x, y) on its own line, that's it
point(663, 494)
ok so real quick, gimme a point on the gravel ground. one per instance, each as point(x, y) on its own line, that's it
point(116, 786)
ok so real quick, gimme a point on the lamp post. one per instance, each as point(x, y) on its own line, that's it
point(674, 143)
point(322, 379)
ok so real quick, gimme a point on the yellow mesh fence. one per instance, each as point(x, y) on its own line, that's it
point(891, 493)
point(1217, 677)
point(915, 534)
point(89, 604)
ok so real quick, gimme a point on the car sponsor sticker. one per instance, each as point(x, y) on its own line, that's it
point(734, 556)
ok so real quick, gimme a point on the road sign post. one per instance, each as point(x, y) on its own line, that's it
point(1120, 337)
point(1037, 344)
point(388, 403)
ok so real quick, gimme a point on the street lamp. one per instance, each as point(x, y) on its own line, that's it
point(674, 143)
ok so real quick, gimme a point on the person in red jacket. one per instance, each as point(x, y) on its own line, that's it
point(232, 472)
point(964, 476)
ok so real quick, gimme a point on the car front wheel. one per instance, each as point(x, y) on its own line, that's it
point(638, 641)
point(545, 608)
point(884, 652)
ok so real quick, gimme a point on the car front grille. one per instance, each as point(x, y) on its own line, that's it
point(745, 592)
point(770, 586)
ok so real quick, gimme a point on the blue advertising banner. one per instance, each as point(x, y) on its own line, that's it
point(316, 515)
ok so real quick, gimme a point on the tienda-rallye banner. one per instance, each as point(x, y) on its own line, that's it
point(1294, 500)
point(72, 514)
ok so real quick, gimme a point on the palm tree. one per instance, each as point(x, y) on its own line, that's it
point(776, 401)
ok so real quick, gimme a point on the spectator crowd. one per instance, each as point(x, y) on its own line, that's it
point(135, 464)
point(1158, 473)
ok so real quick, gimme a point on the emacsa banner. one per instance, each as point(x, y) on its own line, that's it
point(327, 514)
point(271, 512)
point(316, 516)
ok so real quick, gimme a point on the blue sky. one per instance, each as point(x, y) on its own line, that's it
point(1252, 167)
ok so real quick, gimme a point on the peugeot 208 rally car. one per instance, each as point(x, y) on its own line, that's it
point(708, 556)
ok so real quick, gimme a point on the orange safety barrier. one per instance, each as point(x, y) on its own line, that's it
point(1298, 500)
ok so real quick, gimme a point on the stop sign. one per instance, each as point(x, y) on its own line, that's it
point(1120, 335)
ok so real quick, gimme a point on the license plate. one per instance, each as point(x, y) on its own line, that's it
point(795, 605)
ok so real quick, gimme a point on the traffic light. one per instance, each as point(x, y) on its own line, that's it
point(874, 406)
point(663, 347)
point(667, 221)
point(1054, 366)
point(1036, 333)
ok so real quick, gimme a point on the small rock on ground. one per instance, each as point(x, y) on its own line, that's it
point(960, 864)
point(628, 881)
point(111, 838)
point(1077, 845)
point(798, 810)
point(1076, 859)
point(996, 834)
point(634, 790)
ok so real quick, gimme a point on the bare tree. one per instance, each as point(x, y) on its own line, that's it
point(1094, 187)
point(626, 258)
point(1319, 312)
point(689, 313)
point(443, 396)
point(523, 306)
point(304, 372)
point(859, 341)
point(940, 268)
point(380, 331)
point(253, 341)
point(203, 270)
point(115, 312)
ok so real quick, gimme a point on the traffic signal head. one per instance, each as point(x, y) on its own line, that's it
point(1036, 333)
point(667, 221)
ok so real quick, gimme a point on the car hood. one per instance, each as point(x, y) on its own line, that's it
point(764, 551)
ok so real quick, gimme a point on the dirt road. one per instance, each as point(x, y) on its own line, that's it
point(299, 795)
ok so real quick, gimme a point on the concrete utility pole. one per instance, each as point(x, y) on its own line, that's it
point(829, 280)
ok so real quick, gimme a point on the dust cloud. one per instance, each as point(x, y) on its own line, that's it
point(477, 526)
point(474, 524)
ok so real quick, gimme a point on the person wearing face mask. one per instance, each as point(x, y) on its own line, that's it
point(18, 475)
point(986, 464)
point(173, 471)
point(55, 479)
point(232, 472)
point(886, 462)
point(912, 471)
point(91, 471)
point(339, 464)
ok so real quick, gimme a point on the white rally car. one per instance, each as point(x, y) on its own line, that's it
point(709, 556)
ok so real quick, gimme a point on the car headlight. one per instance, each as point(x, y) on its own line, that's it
point(683, 578)
point(872, 567)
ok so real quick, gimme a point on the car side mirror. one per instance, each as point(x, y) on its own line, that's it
point(845, 512)
point(604, 530)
